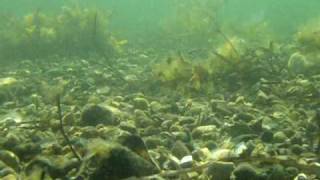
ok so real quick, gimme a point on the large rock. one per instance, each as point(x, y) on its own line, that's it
point(245, 171)
point(94, 114)
point(220, 170)
point(297, 64)
point(140, 103)
point(118, 162)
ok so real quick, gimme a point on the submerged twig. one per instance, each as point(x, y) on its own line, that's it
point(63, 132)
point(221, 56)
point(224, 36)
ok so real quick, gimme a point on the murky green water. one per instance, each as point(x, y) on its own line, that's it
point(145, 18)
point(160, 89)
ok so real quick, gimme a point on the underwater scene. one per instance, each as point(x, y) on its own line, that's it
point(160, 90)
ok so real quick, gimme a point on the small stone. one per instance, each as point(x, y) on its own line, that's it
point(140, 103)
point(223, 155)
point(220, 170)
point(301, 176)
point(130, 127)
point(4, 171)
point(211, 145)
point(193, 175)
point(10, 159)
point(11, 140)
point(239, 128)
point(279, 137)
point(244, 117)
point(180, 150)
point(262, 97)
point(296, 139)
point(93, 115)
point(104, 90)
point(267, 136)
point(201, 154)
point(181, 136)
point(292, 171)
point(131, 78)
point(167, 124)
point(141, 119)
point(68, 119)
point(186, 162)
point(297, 63)
point(152, 142)
point(7, 82)
point(186, 120)
point(256, 126)
point(290, 132)
point(151, 130)
point(89, 132)
point(156, 106)
point(201, 131)
point(243, 171)
point(134, 143)
point(277, 173)
point(297, 149)
point(9, 177)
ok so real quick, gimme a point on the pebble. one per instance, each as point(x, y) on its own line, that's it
point(94, 114)
point(180, 149)
point(297, 149)
point(279, 137)
point(267, 136)
point(220, 170)
point(140, 103)
point(201, 131)
point(301, 176)
point(243, 171)
point(10, 159)
point(186, 162)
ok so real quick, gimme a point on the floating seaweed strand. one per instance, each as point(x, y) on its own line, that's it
point(94, 29)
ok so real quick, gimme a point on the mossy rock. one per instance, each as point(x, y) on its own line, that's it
point(94, 114)
point(120, 163)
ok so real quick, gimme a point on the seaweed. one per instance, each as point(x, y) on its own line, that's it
point(72, 32)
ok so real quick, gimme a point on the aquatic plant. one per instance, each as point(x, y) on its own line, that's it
point(173, 71)
point(83, 31)
point(308, 36)
point(193, 25)
point(73, 31)
point(308, 43)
